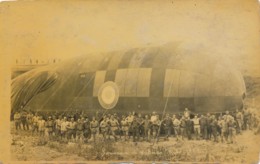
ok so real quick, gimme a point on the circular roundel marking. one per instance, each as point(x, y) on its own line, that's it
point(108, 95)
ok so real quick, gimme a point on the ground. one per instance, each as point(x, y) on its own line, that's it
point(26, 147)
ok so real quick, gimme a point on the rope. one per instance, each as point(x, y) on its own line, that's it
point(165, 106)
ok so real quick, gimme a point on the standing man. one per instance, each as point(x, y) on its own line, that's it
point(231, 129)
point(35, 119)
point(24, 120)
point(41, 125)
point(80, 128)
point(147, 128)
point(183, 127)
point(135, 129)
point(239, 119)
point(176, 126)
point(140, 121)
point(189, 127)
point(94, 126)
point(72, 130)
point(49, 127)
point(125, 127)
point(63, 129)
point(167, 122)
point(203, 127)
point(196, 125)
point(222, 123)
point(114, 126)
point(17, 120)
point(214, 128)
point(104, 128)
point(87, 131)
point(155, 128)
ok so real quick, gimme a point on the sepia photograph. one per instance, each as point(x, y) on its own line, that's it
point(130, 81)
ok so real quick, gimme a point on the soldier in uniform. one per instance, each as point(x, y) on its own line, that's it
point(183, 127)
point(231, 129)
point(125, 127)
point(155, 126)
point(72, 129)
point(58, 127)
point(186, 113)
point(114, 125)
point(203, 127)
point(49, 127)
point(41, 126)
point(140, 121)
point(135, 129)
point(17, 120)
point(63, 128)
point(189, 127)
point(147, 128)
point(24, 120)
point(79, 130)
point(209, 130)
point(104, 128)
point(87, 131)
point(246, 114)
point(222, 123)
point(29, 120)
point(196, 125)
point(176, 126)
point(35, 119)
point(239, 119)
point(167, 122)
point(94, 126)
point(130, 119)
point(214, 128)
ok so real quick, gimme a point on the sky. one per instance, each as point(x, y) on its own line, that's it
point(55, 29)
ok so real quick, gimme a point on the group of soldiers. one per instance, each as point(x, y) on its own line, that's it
point(77, 127)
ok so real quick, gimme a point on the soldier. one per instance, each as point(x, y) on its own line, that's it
point(239, 119)
point(189, 127)
point(29, 120)
point(58, 126)
point(94, 126)
point(130, 119)
point(80, 128)
point(24, 120)
point(41, 126)
point(87, 131)
point(49, 127)
point(140, 121)
point(231, 129)
point(135, 128)
point(176, 126)
point(125, 127)
point(183, 127)
point(186, 113)
point(155, 126)
point(214, 128)
point(209, 130)
point(64, 125)
point(203, 127)
point(196, 125)
point(246, 114)
point(147, 128)
point(35, 119)
point(104, 128)
point(114, 125)
point(17, 120)
point(72, 130)
point(222, 123)
point(167, 122)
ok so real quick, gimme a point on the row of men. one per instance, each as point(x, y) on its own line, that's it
point(148, 128)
